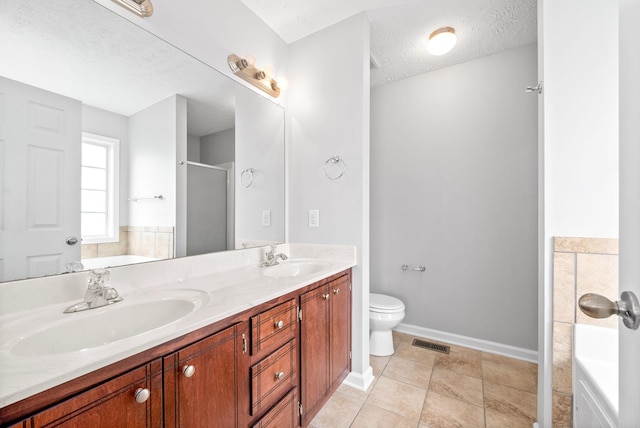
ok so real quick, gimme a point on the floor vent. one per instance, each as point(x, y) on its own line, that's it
point(430, 345)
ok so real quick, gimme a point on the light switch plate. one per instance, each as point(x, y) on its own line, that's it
point(266, 218)
point(314, 218)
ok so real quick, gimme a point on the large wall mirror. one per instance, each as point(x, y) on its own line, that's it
point(117, 147)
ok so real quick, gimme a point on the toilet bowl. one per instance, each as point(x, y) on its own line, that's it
point(385, 313)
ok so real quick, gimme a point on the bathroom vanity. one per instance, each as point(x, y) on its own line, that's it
point(264, 348)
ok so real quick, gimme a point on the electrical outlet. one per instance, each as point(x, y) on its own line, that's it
point(266, 218)
point(314, 218)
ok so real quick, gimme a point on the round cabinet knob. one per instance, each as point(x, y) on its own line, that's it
point(279, 324)
point(279, 375)
point(188, 371)
point(336, 291)
point(142, 395)
point(325, 296)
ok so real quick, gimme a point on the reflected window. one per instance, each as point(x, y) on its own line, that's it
point(99, 189)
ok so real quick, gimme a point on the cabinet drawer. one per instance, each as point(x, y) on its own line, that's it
point(272, 377)
point(282, 415)
point(272, 328)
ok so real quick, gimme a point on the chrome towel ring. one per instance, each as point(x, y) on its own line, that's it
point(334, 168)
point(246, 177)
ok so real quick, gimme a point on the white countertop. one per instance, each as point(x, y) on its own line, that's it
point(230, 282)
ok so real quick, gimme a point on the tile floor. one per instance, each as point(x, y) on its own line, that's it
point(421, 388)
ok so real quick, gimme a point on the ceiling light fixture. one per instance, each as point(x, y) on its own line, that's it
point(441, 41)
point(245, 69)
point(142, 8)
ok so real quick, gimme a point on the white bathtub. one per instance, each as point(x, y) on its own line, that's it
point(102, 262)
point(595, 376)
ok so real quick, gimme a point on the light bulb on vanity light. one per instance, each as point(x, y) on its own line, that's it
point(441, 41)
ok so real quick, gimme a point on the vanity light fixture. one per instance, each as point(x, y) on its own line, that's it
point(142, 8)
point(246, 70)
point(441, 41)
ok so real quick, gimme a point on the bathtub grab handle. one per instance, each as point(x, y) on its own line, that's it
point(597, 306)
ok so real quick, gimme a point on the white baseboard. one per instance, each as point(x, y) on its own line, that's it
point(470, 342)
point(360, 381)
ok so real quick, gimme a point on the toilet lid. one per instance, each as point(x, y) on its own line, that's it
point(382, 302)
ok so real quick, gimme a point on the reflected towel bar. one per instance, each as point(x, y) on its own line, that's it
point(420, 268)
point(148, 197)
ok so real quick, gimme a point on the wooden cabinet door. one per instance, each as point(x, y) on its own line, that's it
point(314, 348)
point(112, 404)
point(339, 329)
point(201, 382)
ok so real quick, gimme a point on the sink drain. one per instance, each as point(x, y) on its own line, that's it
point(430, 345)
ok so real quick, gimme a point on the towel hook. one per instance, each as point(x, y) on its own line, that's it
point(334, 168)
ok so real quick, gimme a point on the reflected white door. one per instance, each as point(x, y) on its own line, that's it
point(629, 376)
point(40, 135)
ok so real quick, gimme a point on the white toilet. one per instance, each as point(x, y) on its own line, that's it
point(385, 313)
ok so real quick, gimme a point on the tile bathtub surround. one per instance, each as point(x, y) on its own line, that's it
point(120, 248)
point(422, 388)
point(580, 266)
point(151, 241)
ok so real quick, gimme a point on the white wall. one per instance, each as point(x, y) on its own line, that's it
point(108, 124)
point(211, 30)
point(580, 167)
point(219, 147)
point(453, 187)
point(329, 115)
point(259, 136)
point(152, 164)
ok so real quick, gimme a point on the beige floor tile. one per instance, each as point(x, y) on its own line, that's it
point(378, 364)
point(510, 372)
point(412, 372)
point(455, 385)
point(469, 364)
point(398, 397)
point(339, 411)
point(371, 416)
point(409, 352)
point(356, 393)
point(444, 412)
point(508, 407)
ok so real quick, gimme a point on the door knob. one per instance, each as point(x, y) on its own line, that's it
point(71, 240)
point(597, 306)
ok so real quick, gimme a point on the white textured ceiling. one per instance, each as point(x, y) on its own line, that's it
point(400, 28)
point(79, 49)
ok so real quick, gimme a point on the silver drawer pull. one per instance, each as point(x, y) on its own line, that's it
point(279, 324)
point(279, 375)
point(188, 371)
point(142, 395)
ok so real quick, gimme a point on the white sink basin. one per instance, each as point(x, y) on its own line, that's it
point(294, 268)
point(102, 326)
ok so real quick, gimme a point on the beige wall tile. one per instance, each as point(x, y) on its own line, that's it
point(562, 410)
point(148, 248)
point(564, 287)
point(135, 243)
point(586, 245)
point(597, 273)
point(89, 251)
point(562, 372)
point(164, 241)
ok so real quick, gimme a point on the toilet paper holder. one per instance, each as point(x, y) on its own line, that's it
point(420, 268)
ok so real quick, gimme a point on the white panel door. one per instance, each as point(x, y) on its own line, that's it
point(629, 280)
point(40, 143)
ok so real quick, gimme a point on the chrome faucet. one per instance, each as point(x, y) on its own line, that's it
point(272, 258)
point(97, 294)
